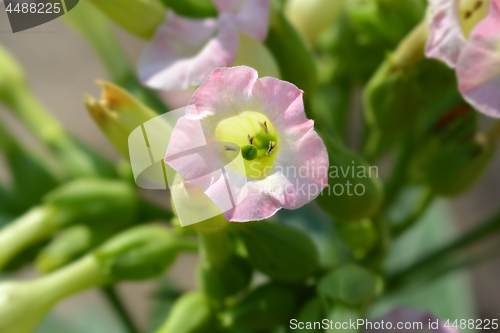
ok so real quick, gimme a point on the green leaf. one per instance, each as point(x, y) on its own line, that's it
point(350, 284)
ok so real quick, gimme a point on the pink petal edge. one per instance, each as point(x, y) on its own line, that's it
point(446, 39)
point(478, 68)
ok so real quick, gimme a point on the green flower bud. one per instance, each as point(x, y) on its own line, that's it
point(117, 114)
point(139, 17)
point(312, 17)
point(360, 236)
point(191, 313)
point(192, 8)
point(354, 191)
point(350, 284)
point(140, 253)
point(296, 63)
point(263, 309)
point(74, 242)
point(94, 201)
point(294, 255)
point(225, 279)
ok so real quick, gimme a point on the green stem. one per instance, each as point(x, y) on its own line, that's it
point(479, 233)
point(411, 49)
point(26, 230)
point(215, 247)
point(81, 275)
point(116, 303)
point(427, 197)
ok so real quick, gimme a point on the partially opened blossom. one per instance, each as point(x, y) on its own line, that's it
point(185, 51)
point(416, 321)
point(235, 116)
point(465, 34)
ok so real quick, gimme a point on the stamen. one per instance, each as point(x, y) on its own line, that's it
point(272, 147)
point(229, 148)
point(250, 139)
point(478, 5)
point(264, 127)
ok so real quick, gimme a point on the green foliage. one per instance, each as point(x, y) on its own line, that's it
point(281, 252)
point(351, 284)
point(350, 173)
point(225, 279)
point(263, 308)
point(191, 313)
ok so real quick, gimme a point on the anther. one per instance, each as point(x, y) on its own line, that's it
point(250, 139)
point(272, 147)
point(229, 148)
point(264, 127)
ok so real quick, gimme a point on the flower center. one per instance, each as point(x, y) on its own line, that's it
point(257, 138)
point(471, 13)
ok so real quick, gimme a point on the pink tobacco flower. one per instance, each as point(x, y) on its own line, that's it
point(416, 321)
point(465, 34)
point(247, 143)
point(185, 51)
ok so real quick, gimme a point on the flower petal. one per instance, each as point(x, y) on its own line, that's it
point(446, 38)
point(300, 170)
point(250, 16)
point(478, 68)
point(183, 51)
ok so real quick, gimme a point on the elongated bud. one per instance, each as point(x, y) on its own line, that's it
point(312, 17)
point(191, 313)
point(294, 258)
point(139, 17)
point(354, 191)
point(140, 253)
point(227, 278)
point(94, 201)
point(117, 114)
point(89, 201)
point(76, 241)
point(192, 8)
point(24, 304)
point(262, 309)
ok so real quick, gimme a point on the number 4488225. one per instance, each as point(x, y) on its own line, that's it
point(477, 324)
point(35, 8)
